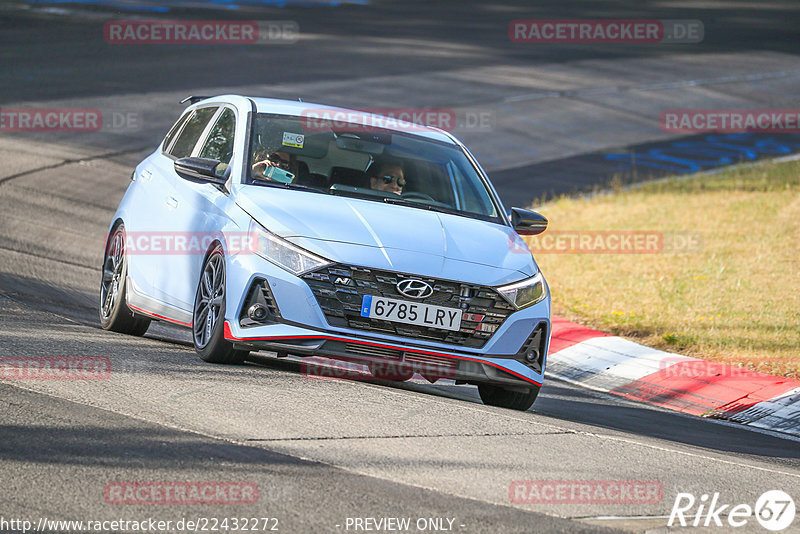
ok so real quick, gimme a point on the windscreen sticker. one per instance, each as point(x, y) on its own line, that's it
point(293, 139)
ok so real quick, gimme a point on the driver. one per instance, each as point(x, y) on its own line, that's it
point(387, 176)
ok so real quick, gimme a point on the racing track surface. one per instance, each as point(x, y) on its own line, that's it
point(324, 450)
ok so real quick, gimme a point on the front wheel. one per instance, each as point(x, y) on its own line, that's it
point(209, 314)
point(504, 398)
point(115, 315)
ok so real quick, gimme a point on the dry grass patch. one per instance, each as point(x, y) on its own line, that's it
point(735, 301)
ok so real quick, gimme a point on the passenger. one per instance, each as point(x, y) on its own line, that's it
point(279, 159)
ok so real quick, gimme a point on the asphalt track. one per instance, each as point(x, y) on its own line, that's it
point(321, 451)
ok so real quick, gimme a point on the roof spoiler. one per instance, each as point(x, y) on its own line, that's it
point(193, 99)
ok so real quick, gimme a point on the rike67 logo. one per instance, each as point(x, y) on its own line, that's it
point(774, 510)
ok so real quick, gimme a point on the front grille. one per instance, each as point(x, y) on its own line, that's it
point(339, 290)
point(431, 362)
point(369, 350)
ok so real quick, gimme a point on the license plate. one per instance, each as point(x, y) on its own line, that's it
point(402, 311)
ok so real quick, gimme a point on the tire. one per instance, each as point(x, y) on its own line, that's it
point(115, 315)
point(208, 316)
point(398, 372)
point(497, 396)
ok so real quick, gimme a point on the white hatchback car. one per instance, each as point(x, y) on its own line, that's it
point(360, 242)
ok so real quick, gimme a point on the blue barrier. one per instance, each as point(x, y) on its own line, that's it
point(687, 156)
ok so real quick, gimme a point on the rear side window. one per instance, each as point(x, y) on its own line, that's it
point(191, 132)
point(219, 145)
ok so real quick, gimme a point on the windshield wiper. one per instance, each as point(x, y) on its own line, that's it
point(430, 207)
point(272, 183)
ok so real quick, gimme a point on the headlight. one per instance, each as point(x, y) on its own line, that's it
point(283, 253)
point(525, 293)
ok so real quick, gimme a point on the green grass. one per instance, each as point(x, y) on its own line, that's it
point(735, 300)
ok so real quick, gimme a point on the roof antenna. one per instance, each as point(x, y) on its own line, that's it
point(299, 99)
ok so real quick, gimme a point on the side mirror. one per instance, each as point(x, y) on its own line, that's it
point(527, 222)
point(199, 170)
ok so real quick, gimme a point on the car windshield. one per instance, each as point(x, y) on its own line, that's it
point(368, 163)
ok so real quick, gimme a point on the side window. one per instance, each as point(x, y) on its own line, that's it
point(473, 199)
point(191, 132)
point(174, 131)
point(219, 144)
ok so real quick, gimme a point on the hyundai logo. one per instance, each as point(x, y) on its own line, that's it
point(415, 289)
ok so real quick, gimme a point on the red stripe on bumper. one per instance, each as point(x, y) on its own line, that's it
point(230, 337)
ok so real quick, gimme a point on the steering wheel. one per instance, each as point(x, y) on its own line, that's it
point(417, 195)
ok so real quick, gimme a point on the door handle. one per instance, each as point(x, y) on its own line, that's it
point(172, 202)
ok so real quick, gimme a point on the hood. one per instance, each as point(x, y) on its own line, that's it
point(385, 236)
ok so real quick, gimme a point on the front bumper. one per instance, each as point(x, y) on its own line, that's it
point(507, 370)
point(301, 329)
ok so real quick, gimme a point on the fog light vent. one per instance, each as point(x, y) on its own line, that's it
point(532, 351)
point(259, 306)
